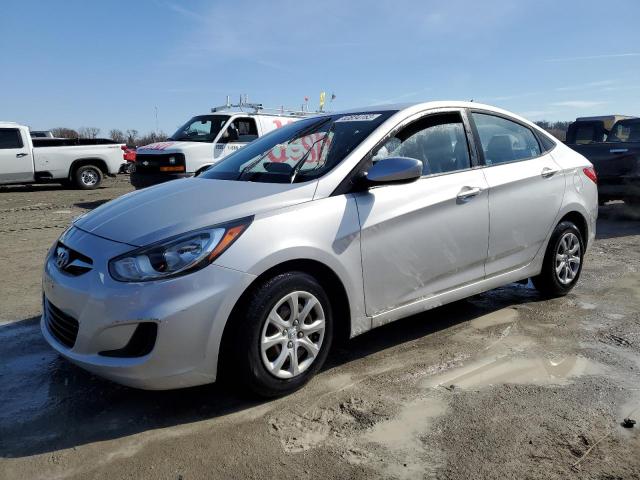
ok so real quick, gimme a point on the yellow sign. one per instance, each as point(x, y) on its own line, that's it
point(321, 100)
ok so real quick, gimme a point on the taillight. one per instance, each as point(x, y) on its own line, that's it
point(591, 173)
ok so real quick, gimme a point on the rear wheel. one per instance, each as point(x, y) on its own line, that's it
point(87, 177)
point(283, 336)
point(562, 261)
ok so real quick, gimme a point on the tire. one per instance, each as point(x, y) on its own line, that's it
point(559, 276)
point(256, 368)
point(87, 177)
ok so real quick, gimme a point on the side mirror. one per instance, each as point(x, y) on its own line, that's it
point(394, 170)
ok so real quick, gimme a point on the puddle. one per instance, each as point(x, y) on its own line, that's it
point(414, 418)
point(587, 306)
point(507, 369)
point(401, 438)
point(500, 317)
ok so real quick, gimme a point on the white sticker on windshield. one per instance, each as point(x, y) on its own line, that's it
point(361, 117)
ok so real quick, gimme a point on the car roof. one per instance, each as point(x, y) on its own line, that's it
point(416, 107)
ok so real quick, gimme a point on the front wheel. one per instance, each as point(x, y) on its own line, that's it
point(88, 177)
point(562, 262)
point(283, 336)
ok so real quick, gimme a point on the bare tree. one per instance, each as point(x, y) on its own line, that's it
point(117, 135)
point(63, 132)
point(132, 136)
point(88, 132)
point(152, 137)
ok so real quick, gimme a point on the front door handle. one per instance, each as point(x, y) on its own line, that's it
point(468, 192)
point(20, 155)
point(548, 172)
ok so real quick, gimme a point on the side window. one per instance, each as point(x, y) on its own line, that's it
point(505, 141)
point(547, 142)
point(10, 138)
point(439, 141)
point(241, 130)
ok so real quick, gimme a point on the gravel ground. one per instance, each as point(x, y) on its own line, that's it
point(502, 385)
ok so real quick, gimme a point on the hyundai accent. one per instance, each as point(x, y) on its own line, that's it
point(333, 225)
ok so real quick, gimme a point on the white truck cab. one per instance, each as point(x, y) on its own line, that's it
point(207, 139)
point(79, 162)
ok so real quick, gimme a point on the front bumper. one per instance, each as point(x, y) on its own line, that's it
point(142, 180)
point(190, 312)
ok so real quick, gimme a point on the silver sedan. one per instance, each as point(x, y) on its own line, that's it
point(332, 225)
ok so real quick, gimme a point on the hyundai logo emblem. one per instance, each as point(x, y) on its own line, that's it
point(62, 257)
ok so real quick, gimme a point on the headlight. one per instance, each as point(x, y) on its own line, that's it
point(177, 255)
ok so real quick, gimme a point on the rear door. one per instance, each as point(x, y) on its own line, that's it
point(526, 188)
point(16, 164)
point(429, 236)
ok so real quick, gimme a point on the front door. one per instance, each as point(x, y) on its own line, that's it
point(429, 236)
point(238, 133)
point(16, 164)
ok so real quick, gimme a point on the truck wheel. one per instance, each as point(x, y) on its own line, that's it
point(88, 177)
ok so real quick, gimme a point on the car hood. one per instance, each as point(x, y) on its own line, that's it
point(171, 146)
point(152, 214)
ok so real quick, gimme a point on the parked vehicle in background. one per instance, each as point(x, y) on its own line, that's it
point(591, 129)
point(205, 140)
point(41, 134)
point(79, 162)
point(129, 157)
point(331, 225)
point(616, 160)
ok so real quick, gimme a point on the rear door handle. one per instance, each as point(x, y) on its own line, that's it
point(619, 150)
point(548, 172)
point(468, 192)
point(20, 155)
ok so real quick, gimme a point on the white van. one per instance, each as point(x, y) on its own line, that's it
point(206, 139)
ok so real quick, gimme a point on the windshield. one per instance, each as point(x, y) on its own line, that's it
point(203, 128)
point(299, 152)
point(625, 131)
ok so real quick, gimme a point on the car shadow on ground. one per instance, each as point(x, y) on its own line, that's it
point(92, 205)
point(47, 404)
point(617, 219)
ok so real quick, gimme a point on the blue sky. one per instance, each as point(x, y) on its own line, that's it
point(109, 64)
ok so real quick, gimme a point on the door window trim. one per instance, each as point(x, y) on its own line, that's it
point(478, 141)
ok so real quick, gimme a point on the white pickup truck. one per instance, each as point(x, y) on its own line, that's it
point(79, 162)
point(205, 140)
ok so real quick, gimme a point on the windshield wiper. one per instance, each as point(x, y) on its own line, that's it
point(300, 163)
point(253, 164)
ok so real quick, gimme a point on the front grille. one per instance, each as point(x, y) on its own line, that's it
point(63, 327)
point(71, 261)
point(151, 162)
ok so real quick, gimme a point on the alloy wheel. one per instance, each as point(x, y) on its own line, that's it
point(89, 177)
point(568, 259)
point(292, 335)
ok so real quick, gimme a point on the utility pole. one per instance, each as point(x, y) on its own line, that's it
point(157, 130)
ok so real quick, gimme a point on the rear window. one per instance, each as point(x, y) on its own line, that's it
point(10, 138)
point(625, 131)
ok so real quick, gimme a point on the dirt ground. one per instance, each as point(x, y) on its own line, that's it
point(503, 385)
